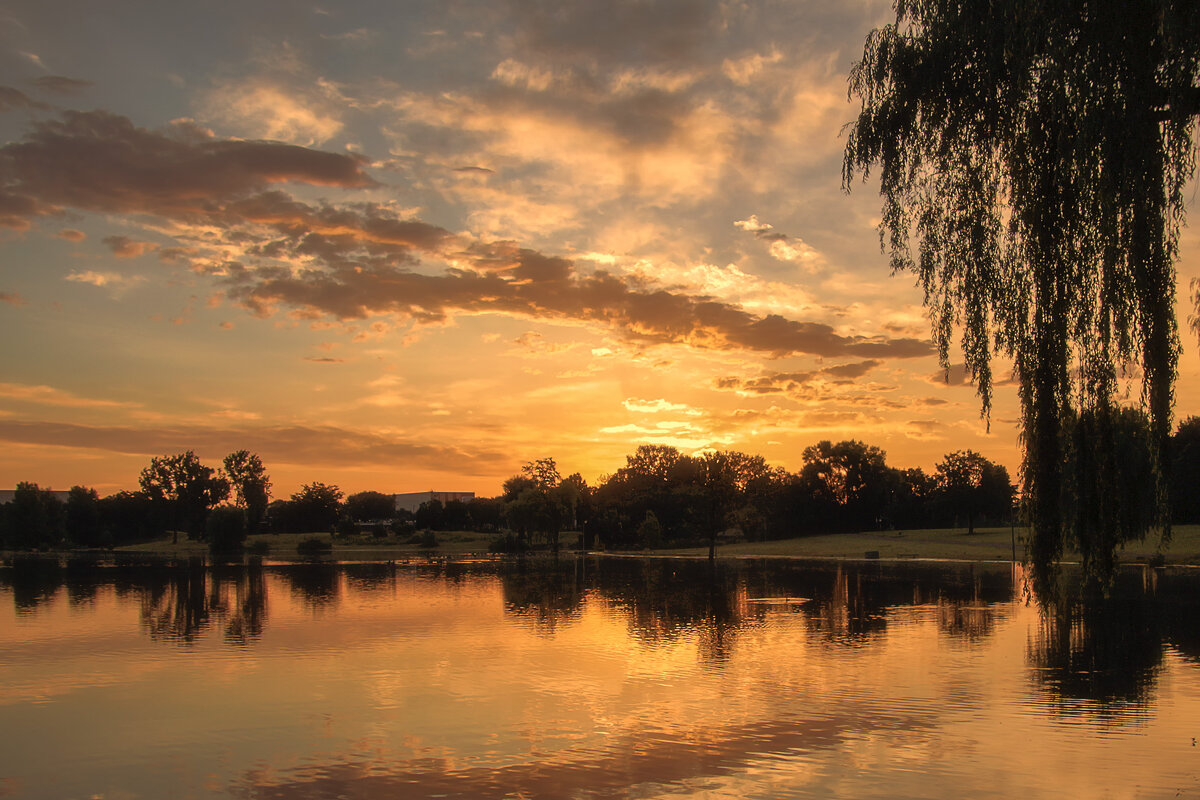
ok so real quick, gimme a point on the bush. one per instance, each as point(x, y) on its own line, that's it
point(650, 531)
point(346, 527)
point(226, 529)
point(403, 528)
point(314, 546)
point(428, 539)
point(261, 547)
point(508, 543)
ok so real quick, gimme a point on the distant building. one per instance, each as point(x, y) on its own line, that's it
point(411, 501)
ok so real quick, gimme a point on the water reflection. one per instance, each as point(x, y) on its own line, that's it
point(664, 599)
point(613, 677)
point(1104, 650)
point(317, 583)
point(549, 593)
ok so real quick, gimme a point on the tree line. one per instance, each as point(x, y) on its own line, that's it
point(660, 497)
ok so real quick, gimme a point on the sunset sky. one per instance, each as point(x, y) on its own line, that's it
point(411, 245)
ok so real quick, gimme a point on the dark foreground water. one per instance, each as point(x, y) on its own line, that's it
point(613, 678)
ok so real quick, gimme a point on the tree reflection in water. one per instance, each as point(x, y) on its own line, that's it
point(548, 593)
point(33, 580)
point(1104, 649)
point(316, 583)
point(1101, 647)
point(195, 596)
point(664, 599)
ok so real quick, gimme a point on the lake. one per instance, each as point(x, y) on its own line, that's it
point(593, 678)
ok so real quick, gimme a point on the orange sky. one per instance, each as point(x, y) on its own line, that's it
point(414, 248)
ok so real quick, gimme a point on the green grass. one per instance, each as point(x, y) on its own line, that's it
point(364, 547)
point(986, 544)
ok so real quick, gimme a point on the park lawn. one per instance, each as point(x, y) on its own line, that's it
point(985, 544)
point(363, 547)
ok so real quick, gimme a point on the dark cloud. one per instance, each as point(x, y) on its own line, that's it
point(60, 84)
point(959, 375)
point(856, 370)
point(316, 446)
point(532, 285)
point(124, 247)
point(98, 161)
point(362, 259)
point(16, 210)
point(12, 99)
point(779, 382)
point(624, 31)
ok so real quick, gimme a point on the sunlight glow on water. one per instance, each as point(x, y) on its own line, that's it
point(605, 678)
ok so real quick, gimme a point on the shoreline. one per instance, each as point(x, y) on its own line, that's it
point(985, 545)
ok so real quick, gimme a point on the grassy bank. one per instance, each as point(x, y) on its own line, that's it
point(283, 545)
point(986, 544)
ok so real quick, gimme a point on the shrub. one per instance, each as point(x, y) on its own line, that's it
point(260, 547)
point(314, 546)
point(650, 531)
point(508, 543)
point(226, 529)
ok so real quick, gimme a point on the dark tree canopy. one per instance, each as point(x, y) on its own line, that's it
point(184, 489)
point(250, 482)
point(1036, 155)
point(318, 504)
point(369, 506)
point(973, 486)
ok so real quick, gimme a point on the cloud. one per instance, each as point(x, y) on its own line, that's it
point(60, 84)
point(266, 109)
point(356, 261)
point(12, 298)
point(99, 161)
point(924, 429)
point(780, 382)
point(783, 247)
point(110, 280)
point(49, 395)
point(12, 99)
point(959, 375)
point(746, 69)
point(72, 235)
point(658, 406)
point(533, 344)
point(124, 247)
point(295, 444)
point(527, 284)
point(629, 31)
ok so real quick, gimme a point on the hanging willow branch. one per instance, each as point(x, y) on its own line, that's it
point(1035, 154)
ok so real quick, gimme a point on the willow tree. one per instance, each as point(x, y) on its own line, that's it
point(1033, 158)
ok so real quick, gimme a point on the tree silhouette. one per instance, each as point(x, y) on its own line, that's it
point(971, 485)
point(251, 485)
point(184, 489)
point(1037, 154)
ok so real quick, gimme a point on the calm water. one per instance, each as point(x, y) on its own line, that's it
point(613, 678)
